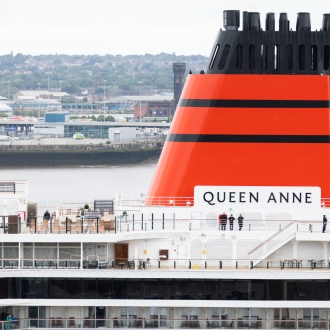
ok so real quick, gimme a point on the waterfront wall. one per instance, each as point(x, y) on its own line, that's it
point(77, 155)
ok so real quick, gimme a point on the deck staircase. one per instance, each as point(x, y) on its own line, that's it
point(273, 243)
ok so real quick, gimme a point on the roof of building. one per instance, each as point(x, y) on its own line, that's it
point(142, 98)
point(4, 107)
point(41, 92)
point(58, 113)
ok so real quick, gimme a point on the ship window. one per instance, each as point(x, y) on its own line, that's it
point(264, 57)
point(321, 290)
point(3, 288)
point(88, 288)
point(301, 57)
point(212, 289)
point(73, 288)
point(197, 289)
point(214, 56)
point(224, 56)
point(228, 290)
point(314, 57)
point(290, 290)
point(276, 57)
point(57, 288)
point(239, 57)
point(135, 288)
point(182, 289)
point(306, 290)
point(275, 290)
point(251, 57)
point(150, 288)
point(120, 288)
point(258, 290)
point(166, 289)
point(242, 289)
point(326, 57)
point(289, 56)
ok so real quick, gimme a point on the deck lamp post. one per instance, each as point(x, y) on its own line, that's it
point(60, 94)
point(140, 83)
point(8, 82)
point(104, 81)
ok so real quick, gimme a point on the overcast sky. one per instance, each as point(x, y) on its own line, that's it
point(130, 26)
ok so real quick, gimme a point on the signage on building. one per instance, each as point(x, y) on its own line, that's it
point(257, 198)
point(11, 128)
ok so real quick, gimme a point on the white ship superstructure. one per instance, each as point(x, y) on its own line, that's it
point(167, 267)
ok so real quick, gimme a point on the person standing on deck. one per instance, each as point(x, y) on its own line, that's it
point(325, 221)
point(223, 220)
point(231, 222)
point(240, 221)
point(46, 215)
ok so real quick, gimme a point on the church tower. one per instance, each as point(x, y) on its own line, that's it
point(179, 70)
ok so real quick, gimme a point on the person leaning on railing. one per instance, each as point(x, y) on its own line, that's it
point(46, 215)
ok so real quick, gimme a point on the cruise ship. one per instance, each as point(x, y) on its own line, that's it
point(231, 233)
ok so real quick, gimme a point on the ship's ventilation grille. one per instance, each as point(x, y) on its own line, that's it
point(12, 207)
point(310, 250)
point(243, 247)
point(283, 253)
point(196, 251)
point(219, 249)
point(2, 207)
point(211, 220)
point(251, 220)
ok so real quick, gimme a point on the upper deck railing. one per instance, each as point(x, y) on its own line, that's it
point(16, 187)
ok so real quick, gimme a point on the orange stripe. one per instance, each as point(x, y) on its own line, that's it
point(256, 87)
point(251, 121)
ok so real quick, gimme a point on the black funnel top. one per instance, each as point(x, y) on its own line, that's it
point(326, 22)
point(270, 22)
point(231, 19)
point(284, 23)
point(245, 20)
point(303, 22)
point(253, 21)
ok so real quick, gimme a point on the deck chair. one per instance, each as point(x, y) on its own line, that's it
point(195, 324)
point(116, 322)
point(300, 324)
point(87, 322)
point(139, 323)
point(240, 323)
point(323, 324)
point(52, 322)
point(59, 322)
point(259, 323)
point(292, 324)
point(283, 323)
point(72, 322)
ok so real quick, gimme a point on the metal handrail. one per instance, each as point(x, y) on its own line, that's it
point(271, 237)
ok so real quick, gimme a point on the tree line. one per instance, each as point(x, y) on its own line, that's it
point(79, 72)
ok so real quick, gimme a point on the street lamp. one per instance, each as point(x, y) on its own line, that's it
point(8, 82)
point(48, 92)
point(140, 83)
point(104, 81)
point(60, 94)
point(39, 86)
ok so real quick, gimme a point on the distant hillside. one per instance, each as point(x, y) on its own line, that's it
point(87, 72)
